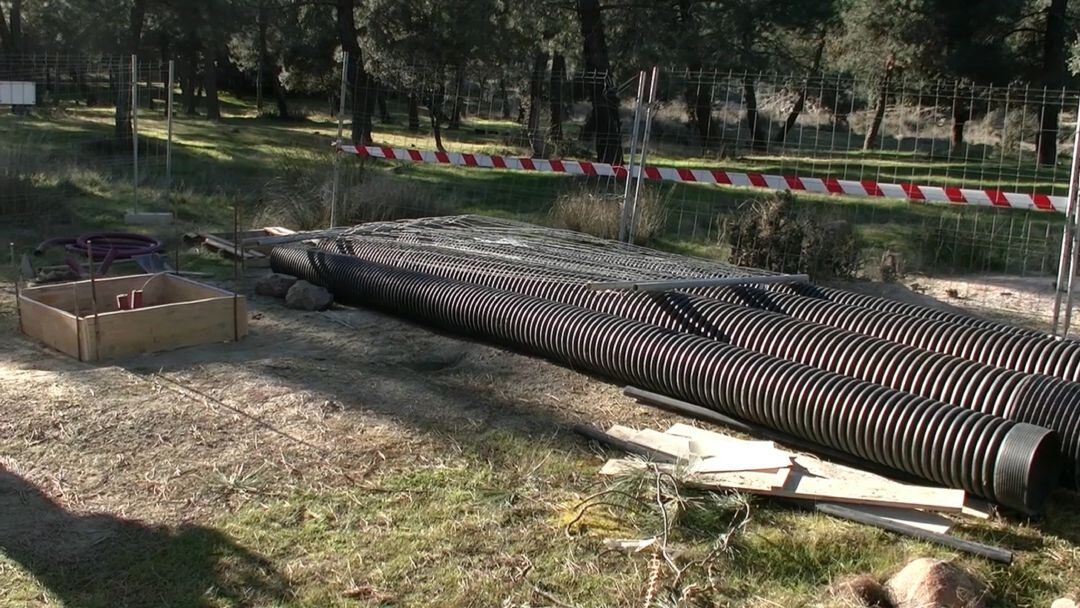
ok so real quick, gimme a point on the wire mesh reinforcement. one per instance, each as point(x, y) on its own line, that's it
point(1012, 463)
point(561, 251)
point(573, 257)
point(945, 378)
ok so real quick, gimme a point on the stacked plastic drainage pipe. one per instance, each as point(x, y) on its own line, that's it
point(991, 343)
point(861, 300)
point(1043, 401)
point(1014, 464)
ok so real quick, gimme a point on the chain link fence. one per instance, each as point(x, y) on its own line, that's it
point(82, 136)
point(71, 152)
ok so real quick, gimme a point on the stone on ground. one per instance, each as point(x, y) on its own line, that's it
point(932, 583)
point(862, 590)
point(275, 285)
point(1064, 603)
point(305, 296)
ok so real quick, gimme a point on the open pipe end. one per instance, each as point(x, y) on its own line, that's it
point(1027, 468)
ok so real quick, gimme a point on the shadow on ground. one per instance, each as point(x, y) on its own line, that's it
point(95, 560)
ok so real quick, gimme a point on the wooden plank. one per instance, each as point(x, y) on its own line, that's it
point(804, 487)
point(156, 328)
point(801, 485)
point(742, 460)
point(977, 508)
point(277, 231)
point(55, 327)
point(227, 247)
point(177, 312)
point(679, 447)
point(950, 500)
point(754, 482)
point(931, 522)
point(705, 442)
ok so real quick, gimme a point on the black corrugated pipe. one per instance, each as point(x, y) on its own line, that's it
point(1026, 351)
point(851, 298)
point(1014, 464)
point(1048, 402)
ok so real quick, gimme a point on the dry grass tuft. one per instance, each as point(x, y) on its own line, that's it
point(299, 195)
point(585, 210)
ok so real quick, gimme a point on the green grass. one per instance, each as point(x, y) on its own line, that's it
point(483, 526)
point(486, 527)
point(80, 184)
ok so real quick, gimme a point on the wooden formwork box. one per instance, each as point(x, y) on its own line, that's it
point(84, 321)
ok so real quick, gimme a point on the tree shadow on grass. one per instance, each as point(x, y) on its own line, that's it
point(101, 560)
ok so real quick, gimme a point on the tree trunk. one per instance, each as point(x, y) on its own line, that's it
point(210, 78)
point(6, 43)
point(384, 112)
point(800, 101)
point(505, 99)
point(758, 140)
point(414, 113)
point(870, 141)
point(435, 113)
point(357, 78)
point(960, 114)
point(16, 25)
point(558, 81)
point(455, 109)
point(699, 106)
point(120, 78)
point(261, 72)
point(1053, 77)
point(125, 79)
point(11, 32)
point(187, 81)
point(605, 101)
point(536, 139)
point(279, 93)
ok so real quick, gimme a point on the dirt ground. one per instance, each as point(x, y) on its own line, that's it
point(208, 458)
point(1027, 301)
point(308, 401)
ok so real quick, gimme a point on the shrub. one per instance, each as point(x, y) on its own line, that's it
point(773, 234)
point(299, 195)
point(595, 213)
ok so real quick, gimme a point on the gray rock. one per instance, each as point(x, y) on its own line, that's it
point(926, 583)
point(861, 590)
point(1063, 603)
point(305, 296)
point(275, 285)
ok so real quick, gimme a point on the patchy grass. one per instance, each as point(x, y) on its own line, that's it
point(81, 183)
point(351, 459)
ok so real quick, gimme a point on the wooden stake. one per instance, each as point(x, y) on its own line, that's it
point(78, 332)
point(93, 300)
point(18, 279)
point(236, 271)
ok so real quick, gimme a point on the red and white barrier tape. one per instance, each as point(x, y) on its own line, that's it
point(827, 185)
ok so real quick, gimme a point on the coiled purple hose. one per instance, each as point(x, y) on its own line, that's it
point(116, 245)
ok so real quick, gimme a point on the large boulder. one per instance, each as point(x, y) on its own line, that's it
point(275, 285)
point(305, 296)
point(932, 583)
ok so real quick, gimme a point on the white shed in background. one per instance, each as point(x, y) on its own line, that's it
point(15, 93)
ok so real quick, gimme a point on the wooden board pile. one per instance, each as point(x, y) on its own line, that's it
point(705, 459)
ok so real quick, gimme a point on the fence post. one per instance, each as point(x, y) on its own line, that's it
point(135, 130)
point(650, 106)
point(340, 133)
point(624, 212)
point(1067, 260)
point(169, 127)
